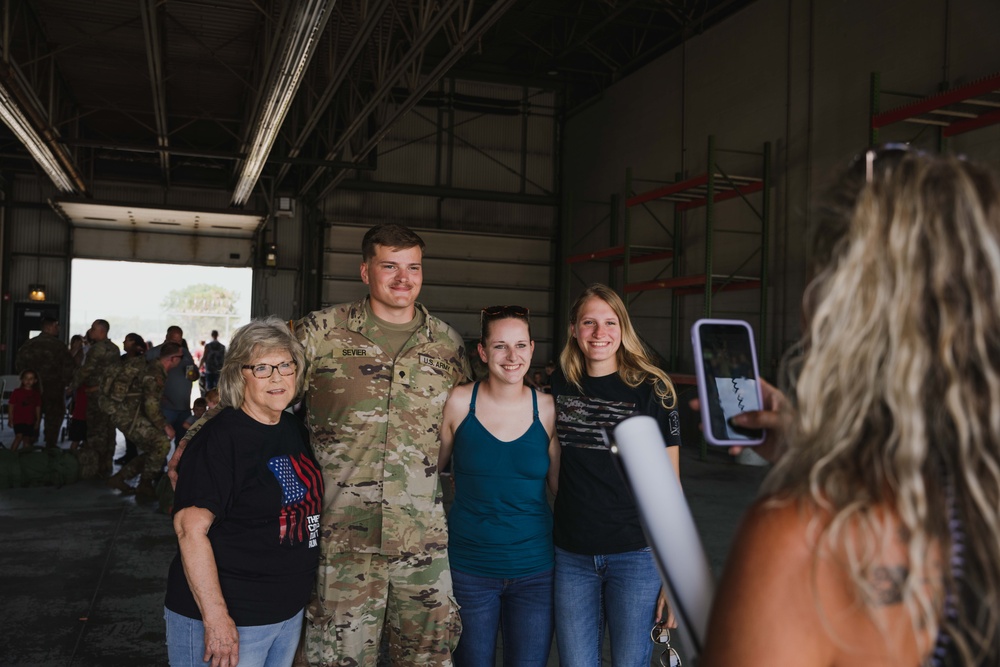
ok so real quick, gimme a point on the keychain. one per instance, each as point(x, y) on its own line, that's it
point(661, 635)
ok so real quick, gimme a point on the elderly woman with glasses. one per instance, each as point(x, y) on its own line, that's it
point(500, 436)
point(246, 514)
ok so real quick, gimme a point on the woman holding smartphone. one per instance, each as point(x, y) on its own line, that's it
point(500, 436)
point(877, 537)
point(604, 568)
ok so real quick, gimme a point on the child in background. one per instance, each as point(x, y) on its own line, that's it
point(78, 425)
point(200, 406)
point(212, 397)
point(25, 410)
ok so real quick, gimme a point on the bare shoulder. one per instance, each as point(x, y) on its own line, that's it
point(546, 408)
point(458, 401)
point(786, 588)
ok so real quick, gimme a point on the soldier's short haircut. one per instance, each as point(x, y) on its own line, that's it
point(215, 334)
point(134, 336)
point(389, 235)
point(103, 324)
point(47, 322)
point(174, 329)
point(169, 350)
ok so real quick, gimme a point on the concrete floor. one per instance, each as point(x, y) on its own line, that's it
point(82, 570)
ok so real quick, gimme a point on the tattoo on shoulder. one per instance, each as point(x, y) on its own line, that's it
point(887, 583)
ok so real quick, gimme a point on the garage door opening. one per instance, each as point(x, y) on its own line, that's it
point(148, 298)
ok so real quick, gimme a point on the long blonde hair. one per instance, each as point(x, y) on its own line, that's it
point(634, 364)
point(898, 393)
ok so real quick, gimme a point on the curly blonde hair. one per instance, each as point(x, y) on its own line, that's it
point(635, 366)
point(898, 390)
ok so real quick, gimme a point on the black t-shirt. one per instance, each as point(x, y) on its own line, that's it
point(265, 489)
point(594, 511)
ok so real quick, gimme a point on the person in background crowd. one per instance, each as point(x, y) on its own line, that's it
point(132, 346)
point(212, 360)
point(25, 410)
point(605, 573)
point(380, 370)
point(53, 365)
point(77, 349)
point(500, 435)
point(197, 411)
point(246, 514)
point(141, 419)
point(876, 540)
point(177, 392)
point(78, 419)
point(102, 355)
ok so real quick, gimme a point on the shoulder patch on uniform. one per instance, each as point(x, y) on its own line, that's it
point(428, 360)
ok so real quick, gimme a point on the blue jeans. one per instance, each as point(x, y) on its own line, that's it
point(618, 588)
point(260, 645)
point(521, 607)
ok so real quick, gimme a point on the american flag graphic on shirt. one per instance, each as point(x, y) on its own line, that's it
point(302, 492)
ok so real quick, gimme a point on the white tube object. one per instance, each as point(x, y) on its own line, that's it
point(669, 526)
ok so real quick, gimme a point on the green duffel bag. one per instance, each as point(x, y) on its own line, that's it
point(10, 469)
point(35, 469)
point(64, 467)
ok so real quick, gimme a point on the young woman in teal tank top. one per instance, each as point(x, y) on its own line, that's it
point(500, 437)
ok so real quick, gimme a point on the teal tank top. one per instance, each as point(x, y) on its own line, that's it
point(500, 524)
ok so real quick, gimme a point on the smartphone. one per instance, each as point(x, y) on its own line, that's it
point(728, 380)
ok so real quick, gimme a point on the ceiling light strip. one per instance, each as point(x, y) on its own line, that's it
point(26, 134)
point(299, 49)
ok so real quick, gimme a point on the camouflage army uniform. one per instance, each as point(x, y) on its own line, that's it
point(100, 431)
point(141, 419)
point(374, 428)
point(53, 364)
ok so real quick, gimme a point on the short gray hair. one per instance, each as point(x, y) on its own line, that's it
point(249, 342)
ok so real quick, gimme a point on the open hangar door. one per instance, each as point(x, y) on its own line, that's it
point(44, 232)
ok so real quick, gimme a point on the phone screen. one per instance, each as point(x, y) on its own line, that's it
point(730, 374)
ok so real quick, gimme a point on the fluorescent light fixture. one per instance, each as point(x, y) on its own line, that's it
point(304, 33)
point(15, 119)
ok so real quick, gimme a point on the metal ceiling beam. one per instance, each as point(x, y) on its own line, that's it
point(25, 114)
point(149, 12)
point(306, 25)
point(467, 39)
point(423, 36)
point(371, 16)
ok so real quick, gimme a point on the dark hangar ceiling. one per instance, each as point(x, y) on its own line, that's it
point(236, 94)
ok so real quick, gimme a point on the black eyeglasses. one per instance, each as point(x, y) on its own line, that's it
point(264, 371)
point(505, 311)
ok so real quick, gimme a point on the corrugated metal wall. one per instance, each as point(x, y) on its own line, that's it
point(472, 170)
point(463, 273)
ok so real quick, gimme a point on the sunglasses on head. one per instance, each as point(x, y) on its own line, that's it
point(885, 155)
point(505, 311)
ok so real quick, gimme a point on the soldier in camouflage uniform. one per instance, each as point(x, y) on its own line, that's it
point(380, 372)
point(102, 355)
point(140, 418)
point(50, 359)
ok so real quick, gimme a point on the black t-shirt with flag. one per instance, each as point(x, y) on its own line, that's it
point(594, 510)
point(265, 489)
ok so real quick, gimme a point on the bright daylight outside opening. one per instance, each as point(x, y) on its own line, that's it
point(148, 298)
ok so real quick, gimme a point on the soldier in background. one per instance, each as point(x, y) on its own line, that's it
point(380, 370)
point(132, 346)
point(140, 418)
point(103, 354)
point(177, 393)
point(54, 365)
